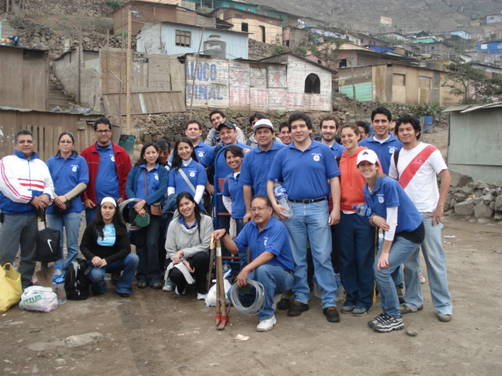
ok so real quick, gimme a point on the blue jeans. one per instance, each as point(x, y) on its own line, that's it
point(147, 248)
point(310, 223)
point(402, 249)
point(275, 280)
point(433, 252)
point(355, 242)
point(90, 214)
point(71, 223)
point(128, 267)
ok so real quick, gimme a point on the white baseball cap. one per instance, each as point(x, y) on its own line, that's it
point(263, 123)
point(367, 155)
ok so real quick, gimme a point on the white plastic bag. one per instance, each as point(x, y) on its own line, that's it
point(38, 298)
point(211, 294)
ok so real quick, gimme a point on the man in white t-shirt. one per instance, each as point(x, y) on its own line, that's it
point(418, 166)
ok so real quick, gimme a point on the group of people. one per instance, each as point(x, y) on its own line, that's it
point(293, 210)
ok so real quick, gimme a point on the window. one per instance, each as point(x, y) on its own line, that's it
point(398, 79)
point(244, 27)
point(342, 63)
point(263, 36)
point(313, 84)
point(183, 38)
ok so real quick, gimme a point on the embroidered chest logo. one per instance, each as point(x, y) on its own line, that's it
point(112, 158)
point(392, 149)
point(201, 154)
point(192, 174)
point(74, 168)
point(380, 198)
point(265, 241)
point(156, 176)
point(316, 157)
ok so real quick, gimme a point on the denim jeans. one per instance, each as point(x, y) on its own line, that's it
point(402, 249)
point(90, 214)
point(275, 280)
point(434, 256)
point(19, 231)
point(310, 223)
point(147, 248)
point(128, 267)
point(71, 223)
point(355, 241)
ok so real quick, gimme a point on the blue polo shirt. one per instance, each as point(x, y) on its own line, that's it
point(304, 174)
point(221, 168)
point(233, 189)
point(204, 153)
point(66, 174)
point(388, 193)
point(336, 149)
point(384, 150)
point(273, 238)
point(147, 181)
point(195, 172)
point(255, 168)
point(107, 181)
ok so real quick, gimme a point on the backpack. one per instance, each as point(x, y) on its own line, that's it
point(76, 283)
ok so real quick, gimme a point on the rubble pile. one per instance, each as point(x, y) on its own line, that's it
point(259, 50)
point(474, 200)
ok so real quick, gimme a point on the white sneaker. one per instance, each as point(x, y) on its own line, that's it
point(266, 325)
point(201, 296)
point(168, 286)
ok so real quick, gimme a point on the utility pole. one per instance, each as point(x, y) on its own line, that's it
point(128, 72)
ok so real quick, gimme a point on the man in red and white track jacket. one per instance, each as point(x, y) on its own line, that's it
point(25, 187)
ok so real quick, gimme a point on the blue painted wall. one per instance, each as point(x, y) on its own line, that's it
point(492, 48)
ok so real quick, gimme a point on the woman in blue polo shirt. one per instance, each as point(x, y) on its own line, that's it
point(396, 215)
point(187, 174)
point(70, 175)
point(147, 181)
point(233, 198)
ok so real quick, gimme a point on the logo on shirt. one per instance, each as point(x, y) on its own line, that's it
point(156, 176)
point(201, 154)
point(192, 174)
point(380, 198)
point(112, 158)
point(316, 157)
point(265, 241)
point(74, 168)
point(392, 149)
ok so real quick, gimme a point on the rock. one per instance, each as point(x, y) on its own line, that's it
point(498, 203)
point(482, 210)
point(464, 208)
point(468, 190)
point(459, 180)
point(487, 197)
point(460, 196)
point(497, 217)
point(483, 221)
point(83, 339)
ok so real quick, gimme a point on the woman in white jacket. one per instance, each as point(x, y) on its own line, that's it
point(187, 247)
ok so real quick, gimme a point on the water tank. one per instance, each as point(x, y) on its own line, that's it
point(215, 46)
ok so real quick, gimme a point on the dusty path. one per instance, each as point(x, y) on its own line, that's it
point(156, 333)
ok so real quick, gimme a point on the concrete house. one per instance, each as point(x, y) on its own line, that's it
point(475, 136)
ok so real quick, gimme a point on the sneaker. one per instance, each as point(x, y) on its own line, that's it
point(331, 314)
point(266, 325)
point(378, 319)
point(156, 285)
point(297, 308)
point(388, 324)
point(359, 311)
point(201, 296)
point(347, 307)
point(142, 284)
point(168, 286)
point(421, 278)
point(443, 317)
point(405, 309)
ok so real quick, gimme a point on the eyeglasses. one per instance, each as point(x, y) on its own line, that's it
point(103, 130)
point(258, 209)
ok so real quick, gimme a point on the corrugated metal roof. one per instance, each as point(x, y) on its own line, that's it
point(465, 108)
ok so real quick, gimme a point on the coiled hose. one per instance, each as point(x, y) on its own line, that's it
point(248, 299)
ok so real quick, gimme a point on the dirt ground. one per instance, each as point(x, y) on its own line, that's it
point(157, 333)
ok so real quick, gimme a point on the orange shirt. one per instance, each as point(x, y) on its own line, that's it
point(351, 181)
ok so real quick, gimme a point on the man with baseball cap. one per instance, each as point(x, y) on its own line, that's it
point(257, 162)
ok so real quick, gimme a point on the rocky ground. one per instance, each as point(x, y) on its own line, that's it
point(157, 333)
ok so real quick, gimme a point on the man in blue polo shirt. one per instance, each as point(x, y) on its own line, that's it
point(220, 170)
point(204, 152)
point(309, 173)
point(329, 128)
point(271, 262)
point(382, 143)
point(257, 162)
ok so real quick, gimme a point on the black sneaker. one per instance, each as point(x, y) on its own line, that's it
point(297, 308)
point(378, 319)
point(331, 314)
point(388, 324)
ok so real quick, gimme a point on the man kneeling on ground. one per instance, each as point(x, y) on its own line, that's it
point(270, 261)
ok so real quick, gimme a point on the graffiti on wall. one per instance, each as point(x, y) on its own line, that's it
point(206, 82)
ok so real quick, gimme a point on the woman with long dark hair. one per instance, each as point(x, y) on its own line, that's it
point(187, 247)
point(394, 213)
point(147, 181)
point(70, 175)
point(187, 174)
point(105, 244)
